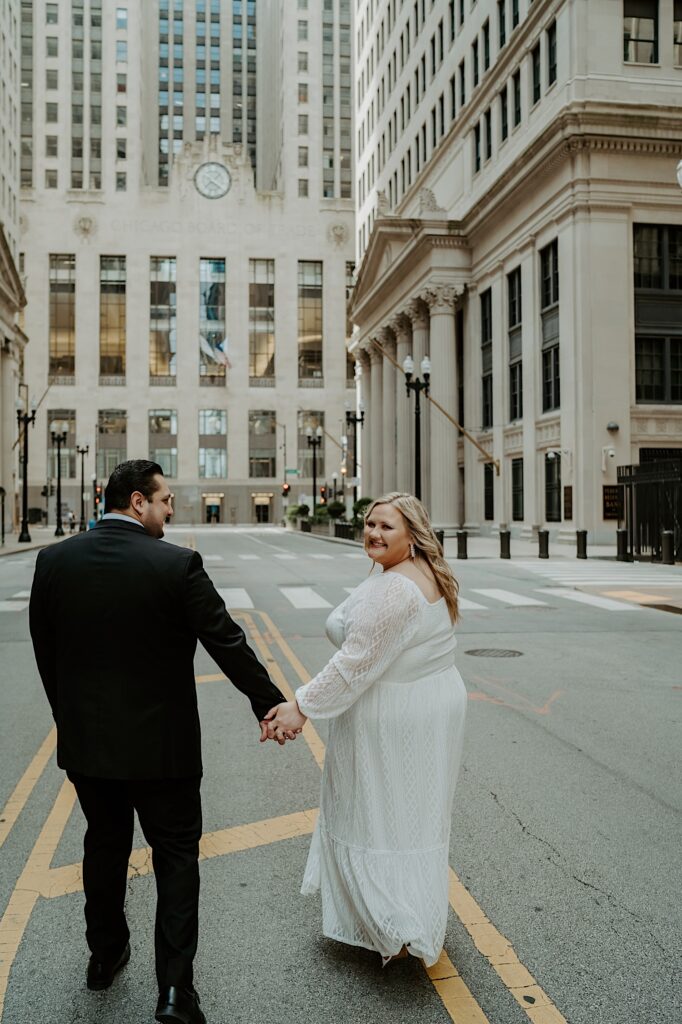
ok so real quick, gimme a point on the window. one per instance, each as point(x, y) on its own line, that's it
point(302, 92)
point(121, 51)
point(302, 188)
point(549, 301)
point(261, 321)
point(488, 123)
point(474, 62)
point(516, 96)
point(488, 491)
point(61, 421)
point(553, 487)
point(302, 156)
point(501, 22)
point(535, 72)
point(302, 60)
point(658, 369)
point(121, 117)
point(262, 443)
point(121, 149)
point(549, 264)
point(310, 420)
point(677, 32)
point(112, 317)
point(51, 145)
point(51, 14)
point(477, 147)
point(212, 337)
point(52, 46)
point(121, 83)
point(163, 320)
point(515, 13)
point(658, 257)
point(62, 341)
point(122, 17)
point(486, 359)
point(163, 439)
point(51, 112)
point(51, 78)
point(640, 31)
point(517, 489)
point(213, 444)
point(551, 54)
point(50, 179)
point(504, 115)
point(462, 84)
point(302, 124)
point(486, 46)
point(111, 440)
point(310, 321)
point(515, 345)
point(121, 181)
point(302, 30)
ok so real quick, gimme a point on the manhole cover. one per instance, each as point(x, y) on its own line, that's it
point(493, 652)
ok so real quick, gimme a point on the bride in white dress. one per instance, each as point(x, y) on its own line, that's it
point(396, 707)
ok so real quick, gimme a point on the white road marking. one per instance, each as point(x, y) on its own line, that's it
point(328, 557)
point(235, 597)
point(250, 558)
point(213, 558)
point(507, 596)
point(356, 554)
point(304, 597)
point(13, 606)
point(287, 558)
point(470, 606)
point(592, 599)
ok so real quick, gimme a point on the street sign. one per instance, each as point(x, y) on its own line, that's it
point(291, 472)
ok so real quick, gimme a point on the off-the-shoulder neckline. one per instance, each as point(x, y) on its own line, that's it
point(431, 604)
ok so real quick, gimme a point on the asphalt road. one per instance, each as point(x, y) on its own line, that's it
point(566, 829)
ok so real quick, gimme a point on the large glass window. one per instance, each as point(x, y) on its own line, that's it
point(488, 491)
point(517, 489)
point(486, 360)
point(515, 344)
point(677, 32)
point(658, 369)
point(163, 440)
point(536, 72)
point(111, 441)
point(658, 257)
point(213, 443)
point(262, 321)
point(112, 318)
point(549, 302)
point(62, 361)
point(310, 321)
point(212, 337)
point(262, 443)
point(313, 420)
point(553, 487)
point(163, 320)
point(640, 31)
point(61, 421)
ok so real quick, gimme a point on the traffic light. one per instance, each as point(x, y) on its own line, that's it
point(323, 495)
point(98, 496)
point(285, 490)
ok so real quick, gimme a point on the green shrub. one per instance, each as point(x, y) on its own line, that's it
point(336, 509)
point(321, 514)
point(292, 512)
point(359, 509)
point(303, 511)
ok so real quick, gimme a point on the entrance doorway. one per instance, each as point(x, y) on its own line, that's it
point(213, 507)
point(261, 507)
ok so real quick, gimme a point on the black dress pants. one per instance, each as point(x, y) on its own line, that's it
point(169, 811)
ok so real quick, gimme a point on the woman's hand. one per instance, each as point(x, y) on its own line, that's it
point(283, 722)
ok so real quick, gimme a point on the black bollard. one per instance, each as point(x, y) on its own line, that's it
point(543, 542)
point(505, 538)
point(622, 546)
point(581, 541)
point(462, 544)
point(440, 537)
point(667, 549)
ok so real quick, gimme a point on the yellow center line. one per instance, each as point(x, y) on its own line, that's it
point(27, 890)
point(488, 940)
point(24, 787)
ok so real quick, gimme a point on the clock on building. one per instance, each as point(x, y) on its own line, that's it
point(212, 180)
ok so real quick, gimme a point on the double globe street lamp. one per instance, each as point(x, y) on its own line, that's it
point(82, 452)
point(23, 419)
point(351, 418)
point(417, 386)
point(58, 439)
point(314, 442)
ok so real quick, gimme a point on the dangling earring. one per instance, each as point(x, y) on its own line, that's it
point(412, 551)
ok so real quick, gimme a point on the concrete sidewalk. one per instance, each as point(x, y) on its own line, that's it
point(41, 537)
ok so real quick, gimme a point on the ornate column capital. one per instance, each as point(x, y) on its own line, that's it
point(400, 324)
point(441, 298)
point(362, 357)
point(417, 313)
point(375, 353)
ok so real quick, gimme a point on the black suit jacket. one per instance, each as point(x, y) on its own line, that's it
point(115, 616)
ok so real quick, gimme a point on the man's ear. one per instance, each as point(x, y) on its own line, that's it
point(137, 500)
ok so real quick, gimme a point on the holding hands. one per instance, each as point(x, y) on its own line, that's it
point(283, 722)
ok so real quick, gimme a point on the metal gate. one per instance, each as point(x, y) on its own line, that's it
point(653, 503)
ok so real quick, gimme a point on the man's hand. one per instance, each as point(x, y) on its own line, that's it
point(283, 722)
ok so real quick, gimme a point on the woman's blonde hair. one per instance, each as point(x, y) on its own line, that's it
point(425, 543)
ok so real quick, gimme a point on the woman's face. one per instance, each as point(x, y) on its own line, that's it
point(387, 539)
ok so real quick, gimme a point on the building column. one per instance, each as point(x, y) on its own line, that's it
point(473, 472)
point(376, 424)
point(400, 325)
point(388, 419)
point(419, 315)
point(443, 437)
point(363, 439)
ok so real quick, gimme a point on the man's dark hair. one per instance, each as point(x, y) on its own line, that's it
point(134, 475)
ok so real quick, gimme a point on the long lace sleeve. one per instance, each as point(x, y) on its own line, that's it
point(379, 624)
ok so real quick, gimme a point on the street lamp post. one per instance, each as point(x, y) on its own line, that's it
point(355, 420)
point(417, 386)
point(59, 439)
point(23, 419)
point(93, 477)
point(314, 442)
point(82, 452)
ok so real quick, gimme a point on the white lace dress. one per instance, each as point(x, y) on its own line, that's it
point(396, 705)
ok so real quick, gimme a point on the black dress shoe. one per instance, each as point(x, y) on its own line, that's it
point(101, 972)
point(179, 1005)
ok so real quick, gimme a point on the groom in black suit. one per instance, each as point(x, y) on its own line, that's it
point(115, 618)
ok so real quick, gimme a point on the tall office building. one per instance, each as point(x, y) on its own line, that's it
point(187, 240)
point(519, 221)
point(12, 338)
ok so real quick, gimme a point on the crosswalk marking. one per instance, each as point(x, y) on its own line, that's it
point(13, 605)
point(304, 597)
point(470, 606)
point(328, 557)
point(213, 558)
point(592, 599)
point(604, 573)
point(287, 558)
point(507, 596)
point(250, 558)
point(355, 554)
point(235, 597)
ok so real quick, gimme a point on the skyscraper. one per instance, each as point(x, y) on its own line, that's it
point(186, 192)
